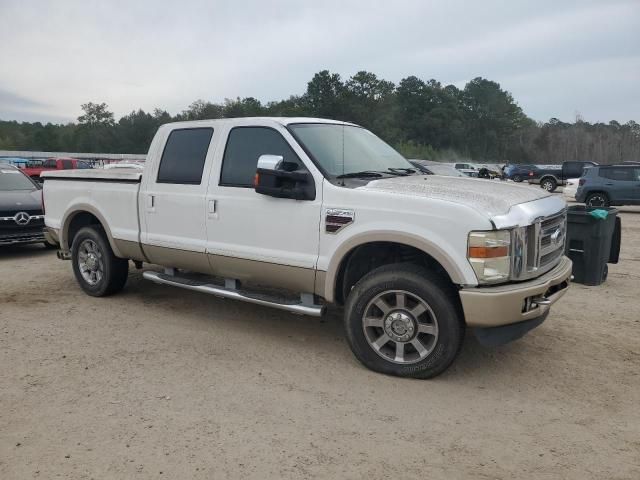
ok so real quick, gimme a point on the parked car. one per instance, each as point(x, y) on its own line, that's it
point(35, 169)
point(518, 172)
point(570, 189)
point(489, 170)
point(21, 212)
point(550, 178)
point(15, 161)
point(603, 186)
point(322, 212)
point(436, 168)
point(468, 169)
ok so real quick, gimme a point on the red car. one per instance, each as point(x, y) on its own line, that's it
point(62, 163)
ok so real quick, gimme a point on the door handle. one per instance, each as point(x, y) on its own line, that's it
point(212, 209)
point(151, 202)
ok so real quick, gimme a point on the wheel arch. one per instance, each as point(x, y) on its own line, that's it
point(381, 249)
point(82, 216)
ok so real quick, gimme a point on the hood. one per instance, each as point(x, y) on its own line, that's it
point(492, 197)
point(19, 200)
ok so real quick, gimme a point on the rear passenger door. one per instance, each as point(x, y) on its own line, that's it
point(173, 199)
point(620, 183)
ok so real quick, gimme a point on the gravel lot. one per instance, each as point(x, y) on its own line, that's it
point(162, 383)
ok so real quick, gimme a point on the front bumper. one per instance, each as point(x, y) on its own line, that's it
point(488, 307)
point(21, 238)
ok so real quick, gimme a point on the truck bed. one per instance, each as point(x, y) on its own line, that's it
point(110, 195)
point(123, 175)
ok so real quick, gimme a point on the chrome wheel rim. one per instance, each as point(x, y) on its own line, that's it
point(547, 186)
point(90, 262)
point(596, 201)
point(400, 326)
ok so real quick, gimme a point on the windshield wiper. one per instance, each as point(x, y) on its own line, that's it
point(364, 173)
point(402, 170)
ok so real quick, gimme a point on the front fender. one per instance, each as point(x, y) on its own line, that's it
point(458, 268)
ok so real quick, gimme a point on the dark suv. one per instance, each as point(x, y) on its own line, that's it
point(610, 185)
point(21, 213)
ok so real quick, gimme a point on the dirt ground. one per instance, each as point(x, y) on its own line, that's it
point(162, 383)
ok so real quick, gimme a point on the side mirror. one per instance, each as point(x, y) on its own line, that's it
point(280, 179)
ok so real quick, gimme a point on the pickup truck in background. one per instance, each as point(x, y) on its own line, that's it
point(35, 170)
point(550, 178)
point(298, 213)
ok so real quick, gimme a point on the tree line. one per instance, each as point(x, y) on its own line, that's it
point(422, 119)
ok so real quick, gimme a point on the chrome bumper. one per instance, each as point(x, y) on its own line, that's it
point(517, 302)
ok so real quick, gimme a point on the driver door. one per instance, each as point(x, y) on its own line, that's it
point(255, 237)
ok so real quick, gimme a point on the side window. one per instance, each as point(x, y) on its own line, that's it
point(49, 164)
point(184, 156)
point(244, 146)
point(67, 164)
point(620, 174)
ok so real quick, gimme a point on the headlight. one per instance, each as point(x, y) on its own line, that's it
point(489, 255)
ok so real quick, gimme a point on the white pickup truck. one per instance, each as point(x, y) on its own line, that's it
point(298, 213)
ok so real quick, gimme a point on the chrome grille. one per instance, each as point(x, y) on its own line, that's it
point(537, 248)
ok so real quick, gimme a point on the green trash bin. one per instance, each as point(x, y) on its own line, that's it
point(593, 240)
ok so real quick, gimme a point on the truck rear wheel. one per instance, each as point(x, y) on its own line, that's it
point(98, 271)
point(403, 320)
point(549, 184)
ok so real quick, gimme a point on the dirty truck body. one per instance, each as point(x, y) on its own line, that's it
point(322, 212)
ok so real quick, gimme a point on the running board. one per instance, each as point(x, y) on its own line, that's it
point(300, 308)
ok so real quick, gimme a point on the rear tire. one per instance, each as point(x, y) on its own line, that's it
point(548, 184)
point(98, 271)
point(597, 199)
point(403, 320)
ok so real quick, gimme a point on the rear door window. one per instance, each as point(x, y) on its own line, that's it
point(244, 146)
point(184, 156)
point(618, 174)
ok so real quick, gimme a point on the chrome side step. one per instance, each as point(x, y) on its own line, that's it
point(302, 308)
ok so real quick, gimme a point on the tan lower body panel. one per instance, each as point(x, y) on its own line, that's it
point(130, 250)
point(175, 258)
point(296, 279)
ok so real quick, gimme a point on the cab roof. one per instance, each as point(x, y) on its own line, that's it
point(256, 120)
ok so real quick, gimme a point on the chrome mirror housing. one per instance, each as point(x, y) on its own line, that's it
point(270, 162)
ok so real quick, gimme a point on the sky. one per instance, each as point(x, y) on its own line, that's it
point(557, 58)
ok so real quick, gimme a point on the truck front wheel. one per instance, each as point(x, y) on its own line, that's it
point(98, 271)
point(403, 320)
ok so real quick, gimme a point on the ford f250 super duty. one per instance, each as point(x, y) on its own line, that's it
point(298, 213)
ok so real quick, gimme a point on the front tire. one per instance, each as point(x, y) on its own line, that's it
point(517, 178)
point(98, 271)
point(403, 320)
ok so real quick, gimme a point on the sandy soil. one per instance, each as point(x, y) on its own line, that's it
point(162, 383)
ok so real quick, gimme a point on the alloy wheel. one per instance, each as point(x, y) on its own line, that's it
point(400, 326)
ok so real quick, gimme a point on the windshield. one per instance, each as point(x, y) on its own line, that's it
point(14, 180)
point(344, 149)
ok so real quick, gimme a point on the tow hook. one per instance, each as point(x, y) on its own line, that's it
point(541, 300)
point(63, 255)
